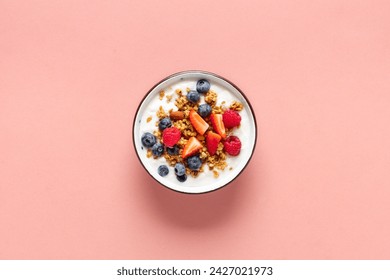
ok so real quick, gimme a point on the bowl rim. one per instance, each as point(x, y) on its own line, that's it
point(194, 72)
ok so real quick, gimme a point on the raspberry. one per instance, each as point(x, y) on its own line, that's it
point(232, 145)
point(231, 119)
point(171, 136)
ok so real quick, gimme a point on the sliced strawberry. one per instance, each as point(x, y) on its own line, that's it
point(192, 147)
point(198, 123)
point(212, 141)
point(218, 126)
point(171, 136)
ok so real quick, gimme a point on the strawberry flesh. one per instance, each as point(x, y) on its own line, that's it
point(212, 141)
point(192, 147)
point(218, 126)
point(198, 123)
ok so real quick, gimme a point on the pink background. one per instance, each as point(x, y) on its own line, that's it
point(72, 74)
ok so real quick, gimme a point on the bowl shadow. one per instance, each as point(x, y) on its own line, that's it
point(197, 210)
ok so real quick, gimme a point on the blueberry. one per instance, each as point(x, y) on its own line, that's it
point(182, 178)
point(194, 163)
point(165, 123)
point(158, 149)
point(193, 96)
point(173, 151)
point(202, 86)
point(204, 110)
point(148, 140)
point(180, 169)
point(163, 170)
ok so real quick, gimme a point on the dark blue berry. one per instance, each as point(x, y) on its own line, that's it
point(204, 110)
point(194, 163)
point(182, 178)
point(164, 123)
point(180, 169)
point(202, 86)
point(193, 96)
point(173, 151)
point(158, 149)
point(148, 140)
point(163, 170)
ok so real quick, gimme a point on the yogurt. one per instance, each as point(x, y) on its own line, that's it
point(146, 119)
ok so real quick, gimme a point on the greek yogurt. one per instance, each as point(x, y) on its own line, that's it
point(146, 119)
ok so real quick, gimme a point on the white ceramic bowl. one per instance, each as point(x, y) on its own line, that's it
point(227, 91)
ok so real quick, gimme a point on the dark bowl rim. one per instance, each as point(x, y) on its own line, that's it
point(194, 72)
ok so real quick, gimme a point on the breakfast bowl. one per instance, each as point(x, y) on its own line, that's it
point(194, 132)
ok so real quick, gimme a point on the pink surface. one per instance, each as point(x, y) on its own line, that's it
point(72, 74)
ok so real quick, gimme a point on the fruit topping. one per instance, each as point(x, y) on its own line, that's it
point(198, 123)
point(148, 140)
point(163, 170)
point(164, 123)
point(232, 145)
point(182, 178)
point(231, 118)
point(194, 163)
point(204, 110)
point(192, 147)
point(180, 169)
point(171, 136)
point(212, 141)
point(158, 149)
point(193, 96)
point(202, 86)
point(218, 125)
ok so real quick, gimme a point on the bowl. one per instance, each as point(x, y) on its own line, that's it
point(164, 94)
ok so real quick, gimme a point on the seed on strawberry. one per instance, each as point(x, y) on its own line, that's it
point(212, 141)
point(171, 136)
point(192, 147)
point(231, 119)
point(232, 145)
point(218, 125)
point(198, 123)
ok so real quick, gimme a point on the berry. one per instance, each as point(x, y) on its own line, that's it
point(171, 136)
point(198, 123)
point(231, 119)
point(163, 170)
point(194, 163)
point(148, 140)
point(218, 125)
point(232, 145)
point(180, 169)
point(173, 150)
point(212, 141)
point(182, 178)
point(193, 96)
point(202, 86)
point(158, 149)
point(204, 110)
point(165, 123)
point(192, 147)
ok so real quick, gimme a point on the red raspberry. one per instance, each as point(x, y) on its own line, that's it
point(232, 145)
point(171, 136)
point(231, 119)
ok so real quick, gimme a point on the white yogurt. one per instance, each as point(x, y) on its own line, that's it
point(206, 180)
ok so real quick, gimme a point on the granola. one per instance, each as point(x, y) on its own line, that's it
point(195, 137)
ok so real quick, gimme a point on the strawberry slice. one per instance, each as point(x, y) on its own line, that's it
point(192, 147)
point(198, 123)
point(218, 126)
point(212, 141)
